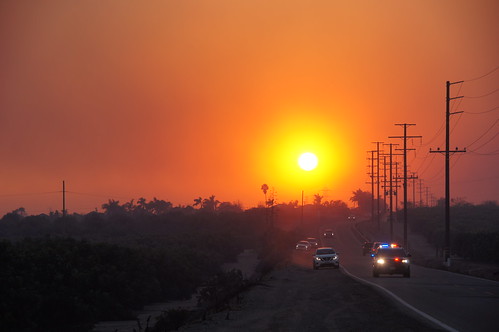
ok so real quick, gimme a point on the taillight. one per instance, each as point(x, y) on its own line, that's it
point(397, 259)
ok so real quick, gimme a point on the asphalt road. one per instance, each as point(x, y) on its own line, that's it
point(459, 302)
point(298, 298)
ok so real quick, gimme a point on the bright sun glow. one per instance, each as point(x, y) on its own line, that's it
point(308, 161)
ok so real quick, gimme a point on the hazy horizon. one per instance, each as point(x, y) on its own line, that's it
point(181, 99)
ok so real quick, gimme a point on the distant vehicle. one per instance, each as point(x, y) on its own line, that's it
point(303, 245)
point(391, 261)
point(325, 256)
point(375, 247)
point(313, 242)
point(351, 218)
point(328, 233)
point(366, 248)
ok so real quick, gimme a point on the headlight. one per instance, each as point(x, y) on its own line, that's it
point(406, 261)
point(380, 261)
point(317, 258)
point(335, 258)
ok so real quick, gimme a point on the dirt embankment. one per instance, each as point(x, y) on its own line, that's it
point(298, 298)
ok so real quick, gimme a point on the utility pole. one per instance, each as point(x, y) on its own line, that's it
point(447, 153)
point(396, 186)
point(63, 198)
point(302, 209)
point(413, 177)
point(405, 137)
point(427, 195)
point(372, 184)
point(377, 181)
point(420, 192)
point(391, 189)
point(384, 183)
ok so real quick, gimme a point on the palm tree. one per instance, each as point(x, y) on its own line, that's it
point(211, 203)
point(112, 207)
point(317, 199)
point(363, 199)
point(198, 201)
point(264, 188)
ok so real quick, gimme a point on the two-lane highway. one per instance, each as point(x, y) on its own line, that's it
point(460, 302)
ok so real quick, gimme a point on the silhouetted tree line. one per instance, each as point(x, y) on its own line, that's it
point(474, 229)
point(66, 273)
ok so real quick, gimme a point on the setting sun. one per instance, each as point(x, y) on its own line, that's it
point(308, 161)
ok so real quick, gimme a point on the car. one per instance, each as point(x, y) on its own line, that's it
point(378, 245)
point(328, 233)
point(391, 261)
point(325, 256)
point(366, 248)
point(313, 242)
point(303, 245)
point(351, 218)
point(375, 247)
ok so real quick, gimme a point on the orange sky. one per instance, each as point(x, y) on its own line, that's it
point(180, 99)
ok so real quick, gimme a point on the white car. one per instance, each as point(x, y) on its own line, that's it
point(303, 245)
point(325, 256)
point(328, 233)
point(313, 242)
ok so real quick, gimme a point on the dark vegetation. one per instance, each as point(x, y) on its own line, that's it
point(65, 273)
point(474, 229)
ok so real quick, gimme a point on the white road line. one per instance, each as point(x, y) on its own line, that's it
point(419, 312)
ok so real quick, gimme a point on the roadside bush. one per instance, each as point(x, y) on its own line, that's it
point(54, 284)
point(171, 320)
point(480, 247)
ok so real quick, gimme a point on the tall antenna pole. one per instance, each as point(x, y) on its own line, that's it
point(377, 182)
point(414, 177)
point(372, 184)
point(447, 168)
point(302, 208)
point(63, 198)
point(391, 192)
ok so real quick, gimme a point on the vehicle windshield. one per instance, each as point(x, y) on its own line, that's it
point(392, 252)
point(304, 242)
point(325, 252)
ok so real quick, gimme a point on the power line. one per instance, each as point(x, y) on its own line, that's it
point(487, 142)
point(457, 121)
point(484, 75)
point(485, 95)
point(30, 194)
point(427, 166)
point(100, 195)
point(459, 100)
point(493, 109)
point(485, 133)
point(439, 131)
point(492, 153)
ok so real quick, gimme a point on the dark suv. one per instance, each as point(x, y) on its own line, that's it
point(366, 248)
point(391, 261)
